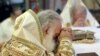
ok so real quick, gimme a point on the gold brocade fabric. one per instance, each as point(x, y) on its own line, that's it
point(65, 47)
point(21, 47)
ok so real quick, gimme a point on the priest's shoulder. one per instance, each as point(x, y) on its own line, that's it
point(6, 21)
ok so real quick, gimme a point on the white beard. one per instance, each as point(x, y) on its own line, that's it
point(49, 43)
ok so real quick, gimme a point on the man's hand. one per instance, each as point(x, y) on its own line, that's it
point(66, 32)
point(80, 22)
point(65, 46)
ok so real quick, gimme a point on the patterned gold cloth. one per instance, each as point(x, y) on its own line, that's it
point(27, 39)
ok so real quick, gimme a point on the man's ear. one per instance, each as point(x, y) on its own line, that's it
point(45, 28)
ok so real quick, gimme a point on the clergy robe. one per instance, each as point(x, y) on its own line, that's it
point(27, 39)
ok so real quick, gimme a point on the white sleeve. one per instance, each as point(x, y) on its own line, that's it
point(1, 35)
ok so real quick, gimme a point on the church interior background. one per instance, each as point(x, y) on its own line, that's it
point(57, 5)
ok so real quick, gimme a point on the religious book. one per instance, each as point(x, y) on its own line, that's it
point(83, 36)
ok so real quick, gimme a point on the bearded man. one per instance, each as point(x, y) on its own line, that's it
point(39, 37)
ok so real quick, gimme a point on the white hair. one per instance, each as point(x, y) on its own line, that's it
point(74, 8)
point(48, 16)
